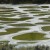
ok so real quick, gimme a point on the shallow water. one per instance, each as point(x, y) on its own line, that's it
point(11, 15)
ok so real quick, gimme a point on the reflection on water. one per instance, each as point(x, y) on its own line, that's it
point(20, 19)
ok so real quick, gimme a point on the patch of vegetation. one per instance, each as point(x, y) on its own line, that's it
point(6, 46)
point(12, 30)
point(30, 36)
point(4, 41)
point(46, 28)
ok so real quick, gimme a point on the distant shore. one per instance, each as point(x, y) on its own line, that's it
point(24, 1)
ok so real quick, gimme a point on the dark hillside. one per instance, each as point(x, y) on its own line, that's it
point(24, 1)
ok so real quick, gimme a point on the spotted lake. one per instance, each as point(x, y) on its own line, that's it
point(25, 24)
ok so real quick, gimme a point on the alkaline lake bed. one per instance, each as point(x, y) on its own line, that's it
point(25, 24)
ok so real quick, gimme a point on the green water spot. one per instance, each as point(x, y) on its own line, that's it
point(6, 11)
point(46, 28)
point(17, 12)
point(1, 27)
point(24, 16)
point(23, 13)
point(3, 22)
point(24, 24)
point(39, 12)
point(45, 6)
point(42, 23)
point(30, 36)
point(12, 30)
point(5, 8)
point(42, 14)
point(7, 15)
point(29, 7)
point(32, 10)
point(45, 18)
point(15, 19)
